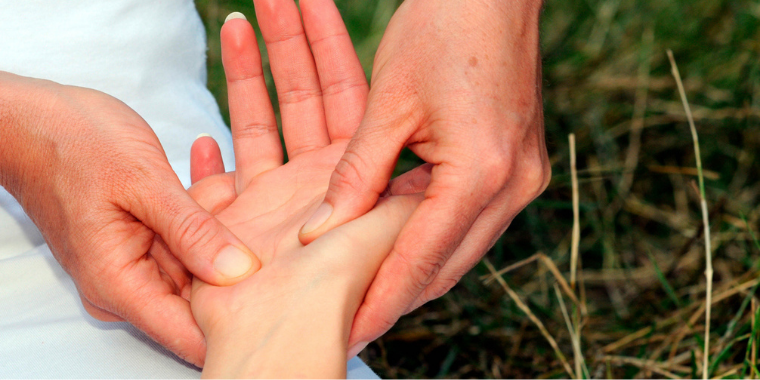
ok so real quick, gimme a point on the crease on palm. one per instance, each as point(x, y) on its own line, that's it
point(267, 215)
point(278, 198)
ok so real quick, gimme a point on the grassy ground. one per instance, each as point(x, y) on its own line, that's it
point(641, 283)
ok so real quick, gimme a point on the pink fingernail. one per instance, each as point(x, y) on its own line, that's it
point(318, 219)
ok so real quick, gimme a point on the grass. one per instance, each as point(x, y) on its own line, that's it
point(635, 299)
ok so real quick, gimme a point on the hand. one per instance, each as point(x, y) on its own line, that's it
point(93, 176)
point(266, 202)
point(459, 83)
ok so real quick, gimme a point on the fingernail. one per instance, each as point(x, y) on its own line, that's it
point(235, 15)
point(318, 219)
point(232, 262)
point(356, 349)
point(202, 135)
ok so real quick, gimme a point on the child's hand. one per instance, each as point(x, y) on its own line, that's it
point(293, 317)
point(303, 300)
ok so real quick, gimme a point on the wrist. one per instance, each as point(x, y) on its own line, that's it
point(303, 333)
point(23, 105)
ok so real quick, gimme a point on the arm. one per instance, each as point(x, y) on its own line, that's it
point(459, 83)
point(93, 177)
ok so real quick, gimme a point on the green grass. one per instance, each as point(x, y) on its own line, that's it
point(642, 249)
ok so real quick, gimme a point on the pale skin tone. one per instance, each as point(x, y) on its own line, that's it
point(293, 317)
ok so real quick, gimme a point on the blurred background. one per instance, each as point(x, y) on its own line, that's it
point(641, 286)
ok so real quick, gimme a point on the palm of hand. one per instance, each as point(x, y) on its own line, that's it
point(267, 216)
point(265, 203)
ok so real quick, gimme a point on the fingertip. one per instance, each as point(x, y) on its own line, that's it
point(414, 181)
point(235, 263)
point(235, 15)
point(205, 158)
point(236, 35)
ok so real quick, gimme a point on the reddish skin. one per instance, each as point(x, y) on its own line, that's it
point(459, 83)
point(93, 177)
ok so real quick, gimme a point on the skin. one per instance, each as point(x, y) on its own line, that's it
point(463, 92)
point(93, 177)
point(304, 298)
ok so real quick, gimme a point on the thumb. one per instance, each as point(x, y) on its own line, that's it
point(203, 244)
point(362, 174)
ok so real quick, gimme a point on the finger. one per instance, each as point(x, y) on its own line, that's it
point(205, 158)
point(486, 230)
point(341, 76)
point(295, 76)
point(255, 137)
point(205, 246)
point(411, 182)
point(489, 226)
point(98, 313)
point(423, 247)
point(172, 270)
point(362, 174)
point(165, 318)
point(372, 234)
point(214, 193)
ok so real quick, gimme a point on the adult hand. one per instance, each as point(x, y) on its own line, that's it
point(93, 177)
point(459, 83)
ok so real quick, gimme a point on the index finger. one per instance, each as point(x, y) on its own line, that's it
point(163, 316)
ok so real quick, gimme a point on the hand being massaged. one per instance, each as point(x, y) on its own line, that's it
point(292, 317)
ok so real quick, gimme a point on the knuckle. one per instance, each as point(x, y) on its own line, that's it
point(434, 292)
point(193, 230)
point(497, 170)
point(347, 175)
point(89, 295)
point(343, 85)
point(425, 269)
point(536, 175)
point(298, 95)
point(254, 130)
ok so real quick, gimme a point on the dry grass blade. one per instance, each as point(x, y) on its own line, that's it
point(644, 364)
point(754, 339)
point(734, 370)
point(578, 360)
point(532, 317)
point(489, 278)
point(705, 221)
point(695, 317)
point(576, 214)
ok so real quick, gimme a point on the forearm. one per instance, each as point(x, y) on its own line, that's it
point(303, 334)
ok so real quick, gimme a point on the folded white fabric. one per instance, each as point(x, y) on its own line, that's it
point(151, 55)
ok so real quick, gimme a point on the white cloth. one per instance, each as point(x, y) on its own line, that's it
point(151, 55)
